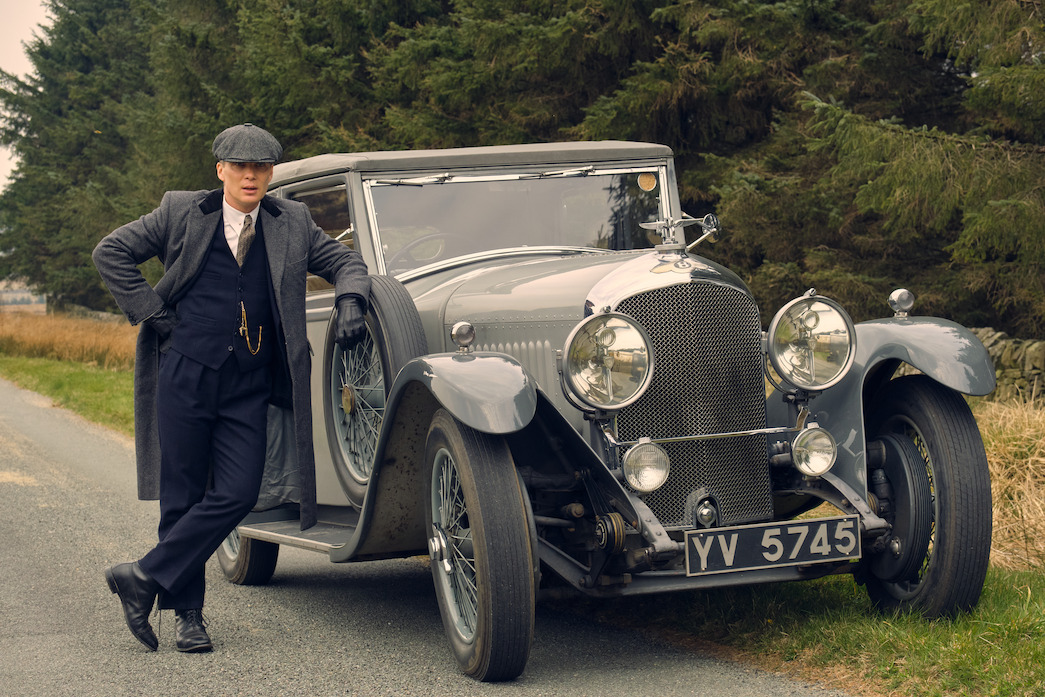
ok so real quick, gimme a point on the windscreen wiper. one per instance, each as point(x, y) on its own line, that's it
point(417, 181)
point(578, 172)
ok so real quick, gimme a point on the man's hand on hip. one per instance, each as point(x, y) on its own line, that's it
point(163, 322)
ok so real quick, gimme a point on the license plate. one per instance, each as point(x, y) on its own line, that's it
point(767, 545)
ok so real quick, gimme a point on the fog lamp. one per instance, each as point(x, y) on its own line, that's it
point(814, 452)
point(646, 466)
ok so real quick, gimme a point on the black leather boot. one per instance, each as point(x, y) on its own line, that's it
point(137, 593)
point(190, 631)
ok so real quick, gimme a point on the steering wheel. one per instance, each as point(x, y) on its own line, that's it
point(404, 254)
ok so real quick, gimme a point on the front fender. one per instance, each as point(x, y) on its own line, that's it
point(490, 392)
point(945, 351)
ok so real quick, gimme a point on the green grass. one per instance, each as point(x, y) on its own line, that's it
point(97, 394)
point(823, 630)
point(828, 631)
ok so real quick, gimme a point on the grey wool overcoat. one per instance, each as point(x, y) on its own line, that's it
point(178, 233)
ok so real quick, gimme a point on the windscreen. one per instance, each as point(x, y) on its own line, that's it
point(426, 220)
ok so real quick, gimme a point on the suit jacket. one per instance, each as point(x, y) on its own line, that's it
point(178, 233)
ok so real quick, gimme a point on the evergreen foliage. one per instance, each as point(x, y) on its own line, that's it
point(66, 124)
point(850, 146)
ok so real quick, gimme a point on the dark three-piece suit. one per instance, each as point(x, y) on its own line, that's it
point(206, 393)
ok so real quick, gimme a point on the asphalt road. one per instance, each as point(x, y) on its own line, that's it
point(68, 509)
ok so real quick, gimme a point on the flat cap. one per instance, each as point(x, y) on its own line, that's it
point(247, 143)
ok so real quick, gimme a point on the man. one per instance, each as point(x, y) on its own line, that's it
point(223, 339)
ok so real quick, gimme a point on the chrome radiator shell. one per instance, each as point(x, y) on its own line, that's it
point(708, 379)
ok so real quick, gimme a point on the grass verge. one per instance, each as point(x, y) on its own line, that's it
point(827, 632)
point(99, 395)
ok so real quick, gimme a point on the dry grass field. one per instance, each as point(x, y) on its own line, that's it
point(1013, 432)
point(65, 338)
point(1014, 435)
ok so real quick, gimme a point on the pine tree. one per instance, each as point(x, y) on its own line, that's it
point(847, 145)
point(304, 63)
point(958, 209)
point(490, 72)
point(66, 122)
point(856, 147)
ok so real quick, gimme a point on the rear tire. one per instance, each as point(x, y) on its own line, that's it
point(945, 435)
point(246, 561)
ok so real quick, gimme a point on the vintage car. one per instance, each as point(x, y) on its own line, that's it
point(557, 394)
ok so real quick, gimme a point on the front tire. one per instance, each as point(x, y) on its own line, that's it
point(481, 550)
point(246, 561)
point(948, 445)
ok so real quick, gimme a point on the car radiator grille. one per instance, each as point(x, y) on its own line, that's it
point(708, 378)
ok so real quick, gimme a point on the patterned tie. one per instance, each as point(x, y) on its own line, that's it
point(246, 236)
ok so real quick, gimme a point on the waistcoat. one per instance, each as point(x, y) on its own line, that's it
point(211, 311)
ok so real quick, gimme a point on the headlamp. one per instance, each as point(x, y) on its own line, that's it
point(812, 342)
point(608, 361)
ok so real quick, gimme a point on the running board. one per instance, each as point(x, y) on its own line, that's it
point(321, 537)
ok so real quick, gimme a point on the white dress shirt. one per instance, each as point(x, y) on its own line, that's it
point(233, 221)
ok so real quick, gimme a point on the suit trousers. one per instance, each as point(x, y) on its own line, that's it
point(212, 443)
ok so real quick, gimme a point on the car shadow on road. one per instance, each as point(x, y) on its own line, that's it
point(383, 616)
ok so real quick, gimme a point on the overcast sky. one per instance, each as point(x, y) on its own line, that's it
point(21, 20)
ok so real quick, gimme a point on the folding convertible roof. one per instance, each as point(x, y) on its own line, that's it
point(488, 156)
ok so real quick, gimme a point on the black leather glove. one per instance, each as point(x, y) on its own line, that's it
point(349, 329)
point(163, 322)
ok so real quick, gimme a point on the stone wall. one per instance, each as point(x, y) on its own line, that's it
point(16, 297)
point(1019, 365)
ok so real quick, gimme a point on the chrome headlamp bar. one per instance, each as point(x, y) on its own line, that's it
point(803, 414)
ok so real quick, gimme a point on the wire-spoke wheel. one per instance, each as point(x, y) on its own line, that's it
point(358, 380)
point(943, 438)
point(480, 547)
point(358, 383)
